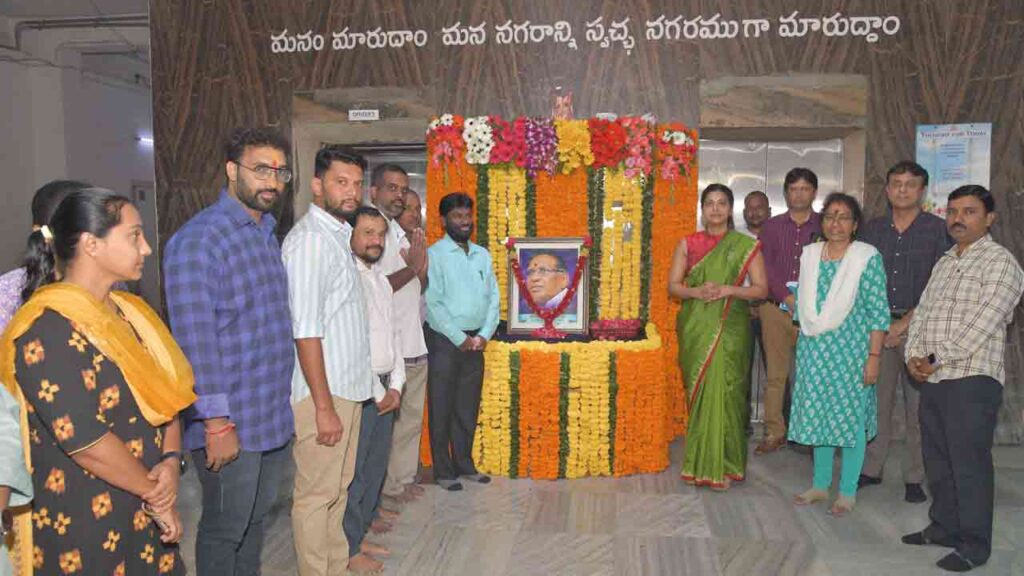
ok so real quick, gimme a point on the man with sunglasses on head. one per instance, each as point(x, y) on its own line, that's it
point(227, 298)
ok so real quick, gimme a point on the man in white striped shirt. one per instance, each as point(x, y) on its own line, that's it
point(333, 375)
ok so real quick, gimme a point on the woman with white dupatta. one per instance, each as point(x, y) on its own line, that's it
point(843, 313)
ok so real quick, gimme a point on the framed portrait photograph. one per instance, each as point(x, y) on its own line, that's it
point(548, 267)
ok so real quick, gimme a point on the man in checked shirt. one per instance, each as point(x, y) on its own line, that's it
point(955, 349)
point(227, 295)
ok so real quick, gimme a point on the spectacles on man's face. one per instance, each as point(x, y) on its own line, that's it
point(841, 218)
point(530, 273)
point(265, 173)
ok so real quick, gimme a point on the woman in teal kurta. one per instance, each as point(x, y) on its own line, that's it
point(837, 354)
point(716, 272)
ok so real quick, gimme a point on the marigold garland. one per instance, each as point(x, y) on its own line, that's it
point(507, 218)
point(562, 207)
point(442, 179)
point(620, 258)
point(573, 145)
point(539, 430)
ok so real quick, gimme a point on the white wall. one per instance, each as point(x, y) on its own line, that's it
point(65, 123)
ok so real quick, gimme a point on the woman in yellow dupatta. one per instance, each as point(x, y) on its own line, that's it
point(710, 273)
point(100, 383)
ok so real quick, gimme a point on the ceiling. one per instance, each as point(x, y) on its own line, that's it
point(40, 9)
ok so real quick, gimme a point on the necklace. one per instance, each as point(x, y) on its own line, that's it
point(826, 254)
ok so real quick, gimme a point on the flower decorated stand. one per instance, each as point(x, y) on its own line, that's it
point(605, 405)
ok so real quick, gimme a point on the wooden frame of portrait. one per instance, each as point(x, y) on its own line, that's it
point(552, 281)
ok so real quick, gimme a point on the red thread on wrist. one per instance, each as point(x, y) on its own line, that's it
point(227, 427)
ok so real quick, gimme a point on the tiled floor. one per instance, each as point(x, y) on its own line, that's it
point(655, 524)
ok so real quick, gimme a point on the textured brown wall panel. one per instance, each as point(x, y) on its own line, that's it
point(952, 61)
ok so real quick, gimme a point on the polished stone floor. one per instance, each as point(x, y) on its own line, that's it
point(655, 524)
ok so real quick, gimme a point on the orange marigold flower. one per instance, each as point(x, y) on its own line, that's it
point(71, 562)
point(34, 352)
point(63, 428)
point(102, 505)
point(47, 390)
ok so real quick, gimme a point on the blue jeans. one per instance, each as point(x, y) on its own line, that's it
point(235, 501)
point(371, 468)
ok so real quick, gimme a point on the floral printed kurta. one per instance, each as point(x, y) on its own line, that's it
point(831, 405)
point(81, 524)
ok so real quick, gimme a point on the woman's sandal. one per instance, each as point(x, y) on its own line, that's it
point(842, 506)
point(810, 497)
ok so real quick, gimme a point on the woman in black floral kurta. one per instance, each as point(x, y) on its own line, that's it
point(82, 524)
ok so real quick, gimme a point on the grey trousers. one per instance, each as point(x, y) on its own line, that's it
point(371, 468)
point(235, 501)
point(893, 377)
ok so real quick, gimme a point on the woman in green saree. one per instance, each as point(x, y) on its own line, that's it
point(716, 273)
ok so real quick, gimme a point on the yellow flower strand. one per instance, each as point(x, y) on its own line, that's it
point(492, 447)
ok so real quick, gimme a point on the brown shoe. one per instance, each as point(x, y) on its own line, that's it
point(770, 445)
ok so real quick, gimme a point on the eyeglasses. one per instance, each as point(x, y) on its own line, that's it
point(264, 172)
point(530, 273)
point(841, 218)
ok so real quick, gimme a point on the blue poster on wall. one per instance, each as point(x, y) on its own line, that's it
point(953, 155)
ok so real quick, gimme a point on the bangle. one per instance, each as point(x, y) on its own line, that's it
point(875, 354)
point(228, 426)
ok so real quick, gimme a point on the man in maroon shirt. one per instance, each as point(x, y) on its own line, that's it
point(783, 238)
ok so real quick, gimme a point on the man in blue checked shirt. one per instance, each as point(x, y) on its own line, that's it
point(227, 294)
point(462, 315)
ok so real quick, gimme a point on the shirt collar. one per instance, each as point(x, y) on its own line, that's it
point(328, 221)
point(235, 211)
point(978, 244)
point(814, 218)
point(453, 245)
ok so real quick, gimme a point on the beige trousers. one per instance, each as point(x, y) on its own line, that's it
point(322, 477)
point(779, 337)
point(405, 440)
point(893, 376)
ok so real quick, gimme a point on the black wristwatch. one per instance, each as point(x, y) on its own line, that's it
point(175, 454)
point(6, 523)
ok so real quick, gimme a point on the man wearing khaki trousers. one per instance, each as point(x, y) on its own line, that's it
point(333, 375)
point(783, 238)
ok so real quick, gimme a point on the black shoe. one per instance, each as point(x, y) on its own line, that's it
point(921, 539)
point(954, 562)
point(865, 480)
point(478, 478)
point(914, 494)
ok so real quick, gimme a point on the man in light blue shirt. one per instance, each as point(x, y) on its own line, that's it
point(462, 315)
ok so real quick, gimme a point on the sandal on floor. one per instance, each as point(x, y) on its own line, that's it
point(810, 497)
point(842, 506)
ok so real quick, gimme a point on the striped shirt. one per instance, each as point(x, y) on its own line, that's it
point(227, 296)
point(326, 298)
point(964, 311)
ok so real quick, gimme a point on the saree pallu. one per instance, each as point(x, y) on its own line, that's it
point(715, 345)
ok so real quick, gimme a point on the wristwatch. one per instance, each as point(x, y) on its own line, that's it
point(6, 523)
point(180, 457)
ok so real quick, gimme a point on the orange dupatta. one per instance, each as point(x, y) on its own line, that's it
point(154, 367)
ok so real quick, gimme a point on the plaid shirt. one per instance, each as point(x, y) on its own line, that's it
point(227, 294)
point(964, 311)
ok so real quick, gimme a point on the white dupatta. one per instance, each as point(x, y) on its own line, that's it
point(841, 294)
